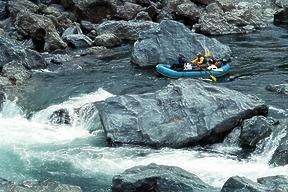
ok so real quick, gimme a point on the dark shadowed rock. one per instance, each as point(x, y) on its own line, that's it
point(280, 156)
point(185, 113)
point(278, 183)
point(60, 116)
point(254, 130)
point(127, 11)
point(162, 43)
point(16, 72)
point(281, 16)
point(203, 2)
point(126, 30)
point(10, 51)
point(242, 184)
point(91, 10)
point(15, 6)
point(107, 40)
point(158, 178)
point(37, 186)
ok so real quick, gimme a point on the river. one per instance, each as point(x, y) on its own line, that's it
point(33, 148)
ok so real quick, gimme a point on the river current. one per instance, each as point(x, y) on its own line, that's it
point(33, 148)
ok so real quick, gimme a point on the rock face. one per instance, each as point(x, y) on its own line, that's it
point(36, 186)
point(158, 178)
point(280, 156)
point(126, 30)
point(85, 10)
point(162, 43)
point(185, 113)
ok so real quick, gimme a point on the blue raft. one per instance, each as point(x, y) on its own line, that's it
point(165, 69)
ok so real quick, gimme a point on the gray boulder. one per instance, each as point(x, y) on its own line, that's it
point(185, 113)
point(158, 178)
point(107, 40)
point(91, 10)
point(10, 51)
point(125, 30)
point(280, 89)
point(280, 156)
point(188, 12)
point(281, 16)
point(255, 130)
point(162, 43)
point(242, 184)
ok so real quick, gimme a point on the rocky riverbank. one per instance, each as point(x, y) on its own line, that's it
point(186, 113)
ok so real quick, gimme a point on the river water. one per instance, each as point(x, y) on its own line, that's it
point(33, 148)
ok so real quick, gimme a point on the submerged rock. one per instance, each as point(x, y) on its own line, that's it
point(281, 89)
point(158, 178)
point(162, 43)
point(185, 113)
point(60, 116)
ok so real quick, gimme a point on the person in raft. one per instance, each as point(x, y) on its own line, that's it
point(199, 61)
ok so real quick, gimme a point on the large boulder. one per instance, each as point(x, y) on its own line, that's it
point(162, 43)
point(188, 12)
point(126, 30)
point(185, 113)
point(281, 16)
point(158, 178)
point(244, 18)
point(91, 10)
point(10, 51)
point(33, 25)
point(16, 72)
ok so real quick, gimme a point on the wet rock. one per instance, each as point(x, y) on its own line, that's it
point(91, 10)
point(254, 130)
point(78, 41)
point(280, 156)
point(60, 116)
point(3, 13)
point(280, 89)
point(36, 186)
point(15, 6)
point(244, 18)
point(278, 183)
point(162, 43)
point(14, 52)
point(143, 16)
point(158, 178)
point(27, 24)
point(126, 30)
point(58, 58)
point(127, 11)
point(107, 40)
point(185, 113)
point(4, 81)
point(281, 16)
point(16, 72)
point(242, 184)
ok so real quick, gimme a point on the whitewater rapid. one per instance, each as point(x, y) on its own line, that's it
point(35, 148)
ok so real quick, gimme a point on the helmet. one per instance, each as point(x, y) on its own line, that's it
point(224, 60)
point(199, 54)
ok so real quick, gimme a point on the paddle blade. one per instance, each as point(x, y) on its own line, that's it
point(213, 78)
